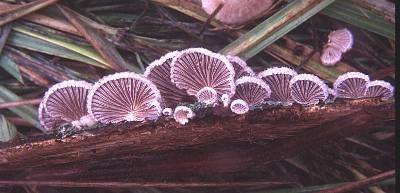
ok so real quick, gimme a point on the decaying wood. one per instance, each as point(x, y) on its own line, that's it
point(217, 142)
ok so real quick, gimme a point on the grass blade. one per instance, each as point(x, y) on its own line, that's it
point(347, 12)
point(11, 67)
point(7, 130)
point(27, 112)
point(274, 27)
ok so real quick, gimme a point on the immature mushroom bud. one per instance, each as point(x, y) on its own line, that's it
point(124, 96)
point(239, 106)
point(167, 111)
point(278, 79)
point(236, 12)
point(341, 39)
point(182, 114)
point(225, 100)
point(351, 85)
point(48, 123)
point(240, 66)
point(379, 88)
point(308, 89)
point(159, 72)
point(252, 90)
point(330, 55)
point(67, 101)
point(199, 71)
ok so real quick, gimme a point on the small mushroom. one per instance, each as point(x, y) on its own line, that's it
point(308, 89)
point(159, 72)
point(341, 39)
point(182, 114)
point(379, 88)
point(124, 96)
point(46, 121)
point(203, 73)
point(167, 111)
point(351, 85)
point(67, 101)
point(237, 12)
point(240, 66)
point(278, 79)
point(239, 106)
point(252, 90)
point(330, 55)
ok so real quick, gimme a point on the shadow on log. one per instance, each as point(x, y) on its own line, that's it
point(216, 143)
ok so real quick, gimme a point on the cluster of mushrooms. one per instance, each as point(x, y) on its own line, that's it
point(188, 76)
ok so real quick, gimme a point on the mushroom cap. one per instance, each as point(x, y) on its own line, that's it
point(124, 96)
point(48, 123)
point(351, 85)
point(236, 12)
point(252, 90)
point(159, 72)
point(67, 100)
point(167, 112)
point(207, 95)
point(239, 106)
point(379, 88)
point(341, 39)
point(195, 68)
point(278, 79)
point(182, 114)
point(330, 55)
point(240, 66)
point(308, 89)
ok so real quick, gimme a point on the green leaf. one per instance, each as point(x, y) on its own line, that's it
point(273, 28)
point(11, 67)
point(348, 12)
point(28, 42)
point(27, 112)
point(83, 50)
point(7, 130)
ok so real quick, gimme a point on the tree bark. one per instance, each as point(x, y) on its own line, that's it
point(216, 142)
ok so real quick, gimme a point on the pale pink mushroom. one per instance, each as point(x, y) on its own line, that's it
point(251, 90)
point(182, 114)
point(308, 89)
point(341, 39)
point(159, 72)
point(198, 71)
point(237, 12)
point(240, 66)
point(278, 79)
point(239, 106)
point(379, 88)
point(124, 96)
point(67, 101)
point(46, 121)
point(330, 55)
point(351, 85)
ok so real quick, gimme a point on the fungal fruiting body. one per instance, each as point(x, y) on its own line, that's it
point(379, 88)
point(237, 12)
point(252, 91)
point(339, 42)
point(67, 101)
point(341, 39)
point(46, 121)
point(203, 73)
point(159, 73)
point(278, 79)
point(308, 89)
point(225, 100)
point(351, 85)
point(182, 114)
point(240, 67)
point(330, 55)
point(124, 96)
point(167, 111)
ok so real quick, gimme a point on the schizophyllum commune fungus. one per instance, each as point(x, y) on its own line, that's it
point(199, 74)
point(339, 42)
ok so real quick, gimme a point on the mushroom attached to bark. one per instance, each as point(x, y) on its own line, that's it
point(308, 89)
point(237, 12)
point(182, 114)
point(67, 101)
point(379, 88)
point(203, 74)
point(351, 85)
point(46, 121)
point(124, 96)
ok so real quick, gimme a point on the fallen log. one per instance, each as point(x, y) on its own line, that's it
point(218, 142)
